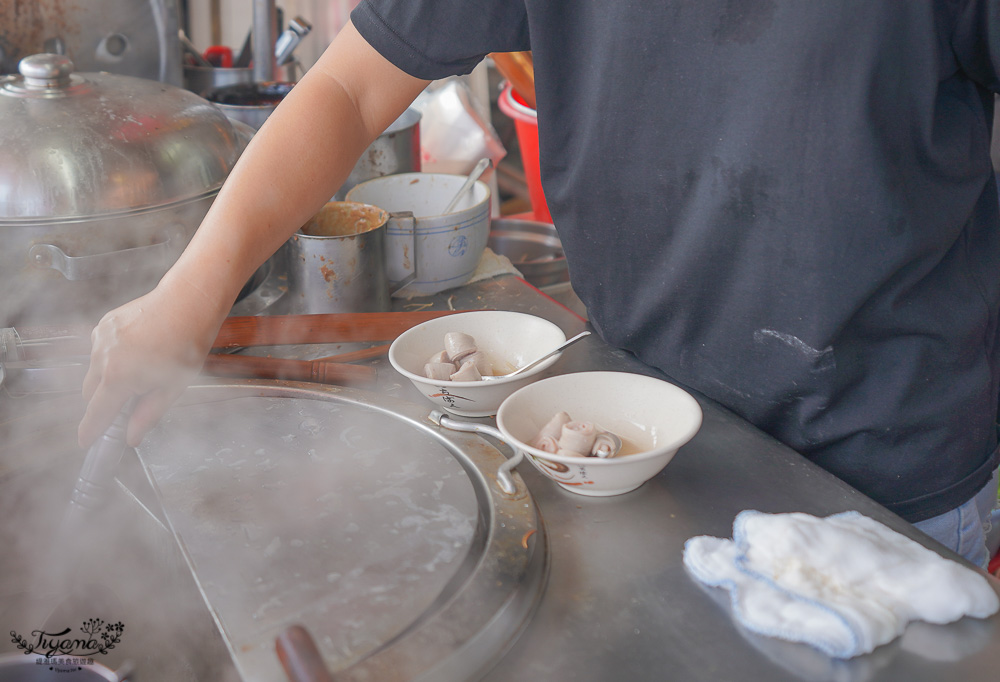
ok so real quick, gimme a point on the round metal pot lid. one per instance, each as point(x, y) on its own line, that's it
point(90, 144)
point(351, 514)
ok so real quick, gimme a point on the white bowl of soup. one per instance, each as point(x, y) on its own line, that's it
point(653, 418)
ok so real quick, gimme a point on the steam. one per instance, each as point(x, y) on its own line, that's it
point(116, 564)
point(311, 512)
point(290, 510)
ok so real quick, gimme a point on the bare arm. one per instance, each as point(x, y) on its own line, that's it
point(153, 346)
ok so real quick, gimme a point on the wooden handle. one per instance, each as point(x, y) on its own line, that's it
point(276, 330)
point(318, 371)
point(39, 342)
point(519, 69)
point(300, 657)
point(355, 355)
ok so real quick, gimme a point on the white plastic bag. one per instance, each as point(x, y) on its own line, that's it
point(453, 135)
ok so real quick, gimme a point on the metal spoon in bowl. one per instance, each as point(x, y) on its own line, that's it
point(610, 450)
point(525, 368)
point(469, 182)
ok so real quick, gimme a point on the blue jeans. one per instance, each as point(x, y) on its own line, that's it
point(973, 529)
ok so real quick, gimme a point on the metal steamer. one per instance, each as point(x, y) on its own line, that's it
point(408, 551)
point(103, 181)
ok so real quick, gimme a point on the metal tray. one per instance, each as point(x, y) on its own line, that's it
point(349, 513)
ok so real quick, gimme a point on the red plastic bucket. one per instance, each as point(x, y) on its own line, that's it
point(526, 127)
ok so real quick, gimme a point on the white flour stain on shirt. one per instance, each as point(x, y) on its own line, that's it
point(825, 356)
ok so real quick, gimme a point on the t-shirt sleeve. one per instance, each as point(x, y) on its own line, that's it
point(434, 39)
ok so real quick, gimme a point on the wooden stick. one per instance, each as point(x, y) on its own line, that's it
point(300, 657)
point(276, 330)
point(40, 341)
point(292, 370)
point(354, 355)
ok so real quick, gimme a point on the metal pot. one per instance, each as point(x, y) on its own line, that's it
point(103, 181)
point(250, 103)
point(396, 150)
point(201, 80)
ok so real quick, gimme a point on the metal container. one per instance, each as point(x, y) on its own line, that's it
point(103, 181)
point(250, 103)
point(202, 80)
point(397, 150)
point(533, 247)
point(336, 261)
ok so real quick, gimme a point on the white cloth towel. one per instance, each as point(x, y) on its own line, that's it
point(844, 584)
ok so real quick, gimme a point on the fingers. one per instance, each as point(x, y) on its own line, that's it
point(91, 380)
point(96, 369)
point(150, 347)
point(110, 396)
point(93, 376)
point(148, 412)
point(105, 399)
point(102, 408)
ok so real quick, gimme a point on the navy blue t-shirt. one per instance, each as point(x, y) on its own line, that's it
point(788, 206)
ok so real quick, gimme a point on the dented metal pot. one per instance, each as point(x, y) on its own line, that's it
point(336, 261)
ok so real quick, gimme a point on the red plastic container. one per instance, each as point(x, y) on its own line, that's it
point(526, 127)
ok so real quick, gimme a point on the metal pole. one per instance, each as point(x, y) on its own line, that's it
point(263, 40)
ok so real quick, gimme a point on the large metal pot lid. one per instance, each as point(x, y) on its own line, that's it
point(90, 144)
point(349, 513)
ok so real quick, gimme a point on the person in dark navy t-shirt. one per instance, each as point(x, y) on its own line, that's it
point(787, 206)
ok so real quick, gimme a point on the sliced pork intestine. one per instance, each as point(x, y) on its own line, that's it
point(561, 435)
point(439, 371)
point(440, 357)
point(603, 442)
point(458, 345)
point(546, 444)
point(459, 349)
point(467, 372)
point(553, 427)
point(578, 437)
point(481, 361)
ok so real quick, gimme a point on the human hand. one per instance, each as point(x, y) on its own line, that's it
point(150, 348)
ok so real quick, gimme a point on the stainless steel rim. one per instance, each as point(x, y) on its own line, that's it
point(490, 599)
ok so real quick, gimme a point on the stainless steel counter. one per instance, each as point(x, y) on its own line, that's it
point(618, 603)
